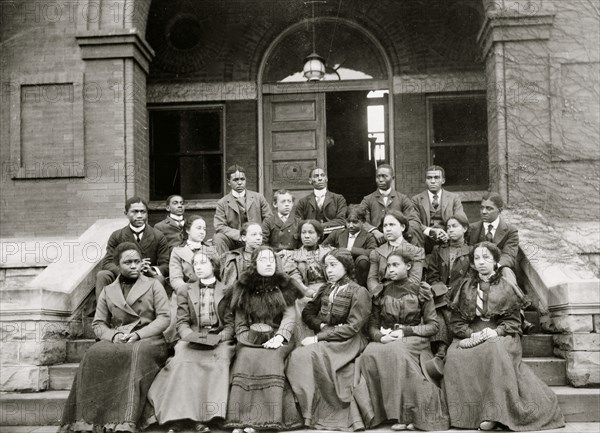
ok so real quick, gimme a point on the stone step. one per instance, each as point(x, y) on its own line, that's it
point(77, 348)
point(533, 317)
point(45, 408)
point(61, 376)
point(537, 345)
point(551, 370)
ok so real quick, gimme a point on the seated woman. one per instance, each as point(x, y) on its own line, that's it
point(394, 385)
point(193, 387)
point(234, 262)
point(322, 372)
point(181, 269)
point(304, 265)
point(109, 390)
point(263, 304)
point(484, 374)
point(447, 264)
point(395, 226)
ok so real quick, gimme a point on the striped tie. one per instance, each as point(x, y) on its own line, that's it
point(479, 311)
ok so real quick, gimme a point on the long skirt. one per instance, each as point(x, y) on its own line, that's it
point(393, 387)
point(194, 385)
point(322, 376)
point(489, 382)
point(110, 388)
point(302, 330)
point(260, 396)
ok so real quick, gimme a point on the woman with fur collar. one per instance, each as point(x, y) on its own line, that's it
point(265, 320)
point(484, 373)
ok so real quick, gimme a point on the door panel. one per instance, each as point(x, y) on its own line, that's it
point(294, 141)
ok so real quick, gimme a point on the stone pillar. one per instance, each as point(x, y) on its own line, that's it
point(117, 62)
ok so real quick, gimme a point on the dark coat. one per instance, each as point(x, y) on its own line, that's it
point(375, 208)
point(506, 238)
point(172, 231)
point(378, 260)
point(334, 209)
point(450, 205)
point(188, 319)
point(153, 245)
point(227, 217)
point(363, 245)
point(281, 235)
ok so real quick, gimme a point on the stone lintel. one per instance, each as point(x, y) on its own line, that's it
point(115, 44)
point(574, 297)
point(500, 28)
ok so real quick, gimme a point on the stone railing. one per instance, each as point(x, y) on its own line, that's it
point(38, 317)
point(565, 289)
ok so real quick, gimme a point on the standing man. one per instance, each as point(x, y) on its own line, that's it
point(322, 205)
point(235, 209)
point(152, 243)
point(172, 225)
point(387, 198)
point(435, 206)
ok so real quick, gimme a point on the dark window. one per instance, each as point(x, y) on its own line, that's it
point(186, 153)
point(458, 140)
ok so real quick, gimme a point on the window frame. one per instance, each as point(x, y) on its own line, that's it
point(198, 202)
point(430, 101)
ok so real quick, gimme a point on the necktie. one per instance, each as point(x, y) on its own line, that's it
point(320, 201)
point(241, 205)
point(385, 198)
point(489, 236)
point(283, 219)
point(138, 236)
point(435, 203)
point(479, 311)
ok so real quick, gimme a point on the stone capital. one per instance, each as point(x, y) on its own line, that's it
point(115, 45)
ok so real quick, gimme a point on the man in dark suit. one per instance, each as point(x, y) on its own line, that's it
point(357, 240)
point(152, 243)
point(172, 225)
point(322, 205)
point(280, 230)
point(435, 206)
point(387, 198)
point(495, 229)
point(235, 209)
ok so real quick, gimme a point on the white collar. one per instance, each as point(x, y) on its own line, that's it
point(320, 192)
point(176, 217)
point(493, 223)
point(439, 195)
point(137, 229)
point(385, 192)
point(208, 281)
point(281, 217)
point(354, 235)
point(238, 194)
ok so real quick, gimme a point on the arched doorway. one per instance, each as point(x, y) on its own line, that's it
point(341, 123)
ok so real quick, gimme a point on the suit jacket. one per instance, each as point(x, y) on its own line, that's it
point(506, 238)
point(181, 267)
point(378, 259)
point(450, 205)
point(375, 207)
point(334, 209)
point(281, 235)
point(145, 311)
point(363, 245)
point(172, 231)
point(188, 311)
point(439, 274)
point(232, 265)
point(227, 215)
point(153, 245)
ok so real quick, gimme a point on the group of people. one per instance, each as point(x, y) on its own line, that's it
point(319, 314)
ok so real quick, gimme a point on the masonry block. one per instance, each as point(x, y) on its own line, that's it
point(573, 323)
point(31, 378)
point(42, 352)
point(583, 368)
point(579, 341)
point(9, 352)
point(596, 323)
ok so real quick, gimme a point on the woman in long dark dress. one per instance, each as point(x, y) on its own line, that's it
point(193, 387)
point(109, 390)
point(393, 385)
point(265, 321)
point(485, 380)
point(322, 372)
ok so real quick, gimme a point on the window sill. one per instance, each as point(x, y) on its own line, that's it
point(209, 204)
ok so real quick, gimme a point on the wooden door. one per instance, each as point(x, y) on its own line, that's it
point(294, 141)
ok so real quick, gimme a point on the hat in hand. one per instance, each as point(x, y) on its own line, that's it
point(432, 367)
point(257, 335)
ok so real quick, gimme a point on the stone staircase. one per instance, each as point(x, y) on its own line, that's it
point(45, 408)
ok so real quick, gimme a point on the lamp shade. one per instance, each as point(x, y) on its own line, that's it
point(314, 67)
